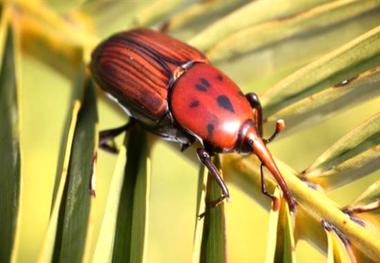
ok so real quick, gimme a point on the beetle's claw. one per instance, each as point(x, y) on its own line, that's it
point(109, 146)
point(214, 204)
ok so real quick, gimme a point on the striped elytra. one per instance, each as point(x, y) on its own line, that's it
point(173, 91)
point(137, 67)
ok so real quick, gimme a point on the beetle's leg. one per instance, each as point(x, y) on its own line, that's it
point(106, 137)
point(205, 158)
point(255, 103)
point(280, 125)
point(187, 144)
point(263, 186)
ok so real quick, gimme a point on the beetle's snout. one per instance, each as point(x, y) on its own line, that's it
point(259, 148)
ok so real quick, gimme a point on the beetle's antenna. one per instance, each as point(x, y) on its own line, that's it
point(280, 125)
point(259, 148)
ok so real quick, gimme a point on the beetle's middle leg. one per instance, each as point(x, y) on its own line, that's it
point(205, 158)
point(106, 137)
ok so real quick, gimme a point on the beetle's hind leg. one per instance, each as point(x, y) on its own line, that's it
point(106, 137)
point(205, 158)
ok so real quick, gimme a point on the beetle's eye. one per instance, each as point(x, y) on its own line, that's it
point(250, 142)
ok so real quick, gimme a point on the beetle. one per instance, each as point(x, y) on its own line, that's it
point(172, 90)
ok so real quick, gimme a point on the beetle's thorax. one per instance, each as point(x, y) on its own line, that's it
point(210, 106)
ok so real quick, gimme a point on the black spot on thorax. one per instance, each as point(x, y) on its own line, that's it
point(225, 103)
point(219, 77)
point(194, 103)
point(203, 84)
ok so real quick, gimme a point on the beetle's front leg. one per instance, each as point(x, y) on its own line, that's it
point(106, 137)
point(205, 158)
point(255, 103)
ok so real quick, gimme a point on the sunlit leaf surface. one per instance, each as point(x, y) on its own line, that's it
point(273, 31)
point(104, 245)
point(339, 248)
point(354, 155)
point(343, 63)
point(321, 105)
point(250, 14)
point(281, 245)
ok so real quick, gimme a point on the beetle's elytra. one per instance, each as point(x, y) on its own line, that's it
point(172, 90)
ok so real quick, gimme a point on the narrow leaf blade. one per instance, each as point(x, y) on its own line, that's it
point(249, 14)
point(105, 241)
point(133, 212)
point(339, 248)
point(199, 14)
point(369, 196)
point(47, 249)
point(359, 150)
point(280, 245)
point(75, 207)
point(351, 59)
point(305, 22)
point(201, 208)
point(10, 156)
point(366, 208)
point(329, 101)
point(214, 230)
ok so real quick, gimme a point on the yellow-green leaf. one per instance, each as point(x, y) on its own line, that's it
point(370, 196)
point(42, 29)
point(314, 202)
point(359, 55)
point(200, 13)
point(47, 249)
point(331, 100)
point(366, 208)
point(105, 18)
point(105, 241)
point(339, 248)
point(354, 155)
point(133, 211)
point(10, 156)
point(250, 14)
point(280, 244)
point(307, 21)
point(155, 11)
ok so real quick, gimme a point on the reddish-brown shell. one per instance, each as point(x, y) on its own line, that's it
point(210, 106)
point(138, 67)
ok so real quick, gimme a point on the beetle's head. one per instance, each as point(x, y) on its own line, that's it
point(252, 141)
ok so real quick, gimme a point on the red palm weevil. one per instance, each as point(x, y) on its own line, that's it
point(172, 90)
